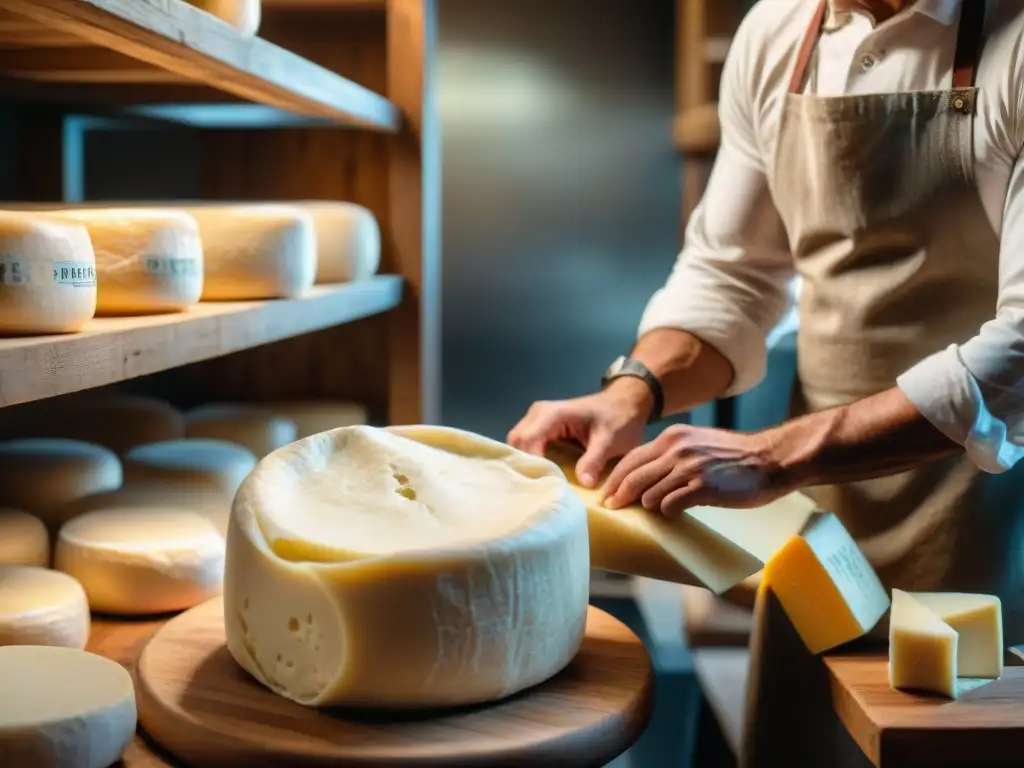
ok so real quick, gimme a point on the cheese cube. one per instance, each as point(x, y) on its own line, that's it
point(922, 648)
point(978, 622)
point(825, 585)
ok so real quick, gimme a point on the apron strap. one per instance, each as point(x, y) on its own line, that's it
point(968, 44)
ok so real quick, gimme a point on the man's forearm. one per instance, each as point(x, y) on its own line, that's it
point(877, 436)
point(691, 372)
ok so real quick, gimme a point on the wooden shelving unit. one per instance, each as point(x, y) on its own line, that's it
point(361, 71)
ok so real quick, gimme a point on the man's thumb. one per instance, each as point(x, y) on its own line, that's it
point(591, 464)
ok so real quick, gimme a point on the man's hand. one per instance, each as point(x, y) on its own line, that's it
point(607, 424)
point(691, 466)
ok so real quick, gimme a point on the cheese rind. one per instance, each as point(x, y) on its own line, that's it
point(922, 648)
point(826, 586)
point(24, 539)
point(63, 708)
point(243, 15)
point(348, 241)
point(709, 547)
point(978, 623)
point(460, 556)
point(47, 275)
point(119, 422)
point(148, 260)
point(42, 607)
point(256, 251)
point(43, 475)
point(138, 561)
point(261, 430)
point(213, 465)
point(312, 417)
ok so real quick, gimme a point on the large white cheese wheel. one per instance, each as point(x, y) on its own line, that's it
point(261, 430)
point(42, 475)
point(41, 607)
point(63, 708)
point(116, 421)
point(256, 251)
point(462, 558)
point(148, 260)
point(348, 241)
point(211, 503)
point(214, 465)
point(47, 275)
point(243, 15)
point(315, 416)
point(143, 560)
point(24, 539)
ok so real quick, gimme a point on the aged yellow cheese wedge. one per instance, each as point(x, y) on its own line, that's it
point(24, 539)
point(922, 648)
point(410, 567)
point(707, 546)
point(42, 607)
point(63, 708)
point(825, 585)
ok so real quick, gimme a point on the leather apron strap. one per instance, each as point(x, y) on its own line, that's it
point(968, 44)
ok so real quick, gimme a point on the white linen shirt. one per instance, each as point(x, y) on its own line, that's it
point(731, 289)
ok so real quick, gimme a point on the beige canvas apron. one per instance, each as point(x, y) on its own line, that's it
point(898, 260)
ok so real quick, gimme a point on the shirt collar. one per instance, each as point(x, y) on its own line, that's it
point(943, 11)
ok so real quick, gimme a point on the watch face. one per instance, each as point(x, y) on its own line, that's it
point(614, 368)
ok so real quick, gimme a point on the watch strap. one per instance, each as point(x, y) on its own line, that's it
point(638, 370)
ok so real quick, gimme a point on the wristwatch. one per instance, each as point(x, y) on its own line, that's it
point(624, 366)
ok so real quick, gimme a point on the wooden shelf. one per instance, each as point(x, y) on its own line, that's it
point(116, 349)
point(169, 45)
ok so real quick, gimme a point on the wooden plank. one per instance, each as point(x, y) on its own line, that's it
point(116, 349)
point(174, 36)
point(984, 728)
point(415, 174)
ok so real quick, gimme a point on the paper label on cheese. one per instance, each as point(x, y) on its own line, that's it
point(78, 274)
point(171, 266)
point(12, 272)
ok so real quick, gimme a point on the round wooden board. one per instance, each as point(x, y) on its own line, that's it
point(197, 702)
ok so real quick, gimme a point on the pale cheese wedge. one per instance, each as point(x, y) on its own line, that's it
point(922, 648)
point(408, 568)
point(706, 546)
point(826, 586)
point(978, 622)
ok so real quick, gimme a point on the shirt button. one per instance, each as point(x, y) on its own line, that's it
point(868, 61)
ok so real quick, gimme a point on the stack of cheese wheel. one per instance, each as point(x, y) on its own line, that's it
point(63, 708)
point(314, 416)
point(243, 15)
point(42, 475)
point(261, 430)
point(119, 422)
point(147, 260)
point(194, 463)
point(463, 557)
point(24, 539)
point(47, 275)
point(348, 241)
point(142, 560)
point(256, 251)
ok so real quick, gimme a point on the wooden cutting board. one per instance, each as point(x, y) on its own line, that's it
point(196, 701)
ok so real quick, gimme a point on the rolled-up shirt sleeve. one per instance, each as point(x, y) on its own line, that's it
point(974, 392)
point(730, 283)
